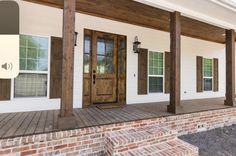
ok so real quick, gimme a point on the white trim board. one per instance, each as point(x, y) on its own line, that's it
point(163, 4)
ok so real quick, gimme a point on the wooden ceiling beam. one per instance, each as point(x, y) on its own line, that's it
point(129, 11)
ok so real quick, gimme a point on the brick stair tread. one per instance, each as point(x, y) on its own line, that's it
point(174, 147)
point(133, 135)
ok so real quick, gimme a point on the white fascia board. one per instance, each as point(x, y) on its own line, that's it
point(162, 4)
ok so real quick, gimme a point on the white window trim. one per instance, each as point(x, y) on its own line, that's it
point(163, 76)
point(208, 77)
point(38, 72)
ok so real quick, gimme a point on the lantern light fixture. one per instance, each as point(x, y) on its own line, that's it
point(136, 45)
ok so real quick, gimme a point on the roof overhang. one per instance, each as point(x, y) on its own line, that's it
point(133, 12)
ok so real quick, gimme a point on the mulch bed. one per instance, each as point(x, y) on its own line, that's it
point(216, 142)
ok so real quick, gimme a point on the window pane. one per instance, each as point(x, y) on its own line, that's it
point(42, 42)
point(33, 53)
point(207, 67)
point(42, 65)
point(155, 63)
point(207, 84)
point(23, 64)
point(22, 52)
point(42, 54)
point(32, 41)
point(31, 85)
point(31, 64)
point(23, 40)
point(155, 84)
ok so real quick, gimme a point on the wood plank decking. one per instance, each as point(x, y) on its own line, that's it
point(28, 123)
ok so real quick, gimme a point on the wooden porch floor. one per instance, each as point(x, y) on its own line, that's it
point(28, 123)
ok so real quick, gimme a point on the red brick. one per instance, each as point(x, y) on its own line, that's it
point(60, 146)
point(7, 151)
point(30, 152)
point(71, 144)
point(87, 142)
point(19, 149)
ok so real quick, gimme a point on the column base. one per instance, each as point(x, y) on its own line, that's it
point(64, 123)
point(175, 109)
point(230, 103)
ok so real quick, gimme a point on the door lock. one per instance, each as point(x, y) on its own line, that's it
point(94, 78)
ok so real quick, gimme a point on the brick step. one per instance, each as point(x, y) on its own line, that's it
point(174, 147)
point(119, 141)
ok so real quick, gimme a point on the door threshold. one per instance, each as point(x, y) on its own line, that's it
point(109, 105)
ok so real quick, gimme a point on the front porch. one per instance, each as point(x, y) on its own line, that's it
point(31, 123)
point(35, 133)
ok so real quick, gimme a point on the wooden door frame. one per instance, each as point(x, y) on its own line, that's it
point(90, 33)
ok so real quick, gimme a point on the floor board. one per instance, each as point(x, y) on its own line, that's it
point(28, 123)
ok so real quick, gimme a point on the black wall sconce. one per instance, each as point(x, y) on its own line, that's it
point(136, 45)
point(75, 39)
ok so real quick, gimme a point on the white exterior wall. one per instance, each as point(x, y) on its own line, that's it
point(46, 21)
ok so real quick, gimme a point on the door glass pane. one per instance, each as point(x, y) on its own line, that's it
point(105, 50)
point(87, 53)
point(101, 46)
point(86, 63)
point(109, 48)
point(101, 60)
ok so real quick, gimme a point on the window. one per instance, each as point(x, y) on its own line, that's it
point(207, 74)
point(155, 72)
point(33, 76)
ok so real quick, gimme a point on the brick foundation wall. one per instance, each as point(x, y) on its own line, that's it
point(90, 141)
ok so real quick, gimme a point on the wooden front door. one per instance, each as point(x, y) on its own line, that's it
point(104, 73)
point(104, 68)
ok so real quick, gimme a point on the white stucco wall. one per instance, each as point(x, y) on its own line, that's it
point(46, 21)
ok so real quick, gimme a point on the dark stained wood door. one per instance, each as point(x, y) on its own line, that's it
point(104, 68)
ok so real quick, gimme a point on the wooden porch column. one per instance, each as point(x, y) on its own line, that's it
point(175, 49)
point(230, 68)
point(66, 118)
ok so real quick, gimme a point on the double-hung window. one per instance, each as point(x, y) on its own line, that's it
point(155, 72)
point(207, 74)
point(32, 80)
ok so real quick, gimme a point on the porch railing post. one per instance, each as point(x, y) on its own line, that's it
point(66, 118)
point(230, 68)
point(175, 49)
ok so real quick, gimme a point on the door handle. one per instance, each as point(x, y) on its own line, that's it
point(94, 78)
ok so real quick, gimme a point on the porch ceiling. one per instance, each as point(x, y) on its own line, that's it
point(132, 12)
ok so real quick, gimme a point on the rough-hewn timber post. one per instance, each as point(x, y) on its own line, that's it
point(66, 118)
point(175, 49)
point(230, 68)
